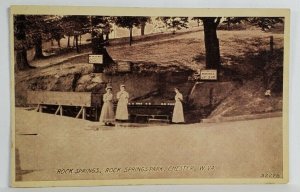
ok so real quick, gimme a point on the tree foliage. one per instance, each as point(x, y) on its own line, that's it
point(175, 23)
point(75, 25)
point(129, 23)
point(142, 24)
point(265, 23)
point(30, 31)
point(198, 20)
point(20, 43)
point(210, 25)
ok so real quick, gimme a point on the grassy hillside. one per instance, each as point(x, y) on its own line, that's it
point(244, 56)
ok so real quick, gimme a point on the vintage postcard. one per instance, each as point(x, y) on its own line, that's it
point(117, 96)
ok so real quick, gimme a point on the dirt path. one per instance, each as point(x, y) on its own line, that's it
point(52, 61)
point(232, 149)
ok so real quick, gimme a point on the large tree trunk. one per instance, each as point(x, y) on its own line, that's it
point(143, 25)
point(130, 36)
point(212, 49)
point(38, 47)
point(98, 49)
point(21, 60)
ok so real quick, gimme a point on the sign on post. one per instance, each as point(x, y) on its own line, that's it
point(209, 74)
point(96, 59)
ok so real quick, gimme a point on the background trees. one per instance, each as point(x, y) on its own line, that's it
point(20, 44)
point(210, 24)
point(142, 23)
point(100, 26)
point(198, 20)
point(129, 23)
point(32, 30)
point(174, 23)
point(75, 25)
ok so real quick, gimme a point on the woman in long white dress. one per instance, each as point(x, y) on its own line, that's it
point(107, 116)
point(122, 109)
point(178, 116)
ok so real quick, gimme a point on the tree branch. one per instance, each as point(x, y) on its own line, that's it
point(217, 22)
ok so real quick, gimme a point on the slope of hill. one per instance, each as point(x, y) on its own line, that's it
point(244, 60)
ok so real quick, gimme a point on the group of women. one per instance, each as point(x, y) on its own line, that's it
point(107, 116)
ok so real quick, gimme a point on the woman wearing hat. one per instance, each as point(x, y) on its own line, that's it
point(107, 116)
point(122, 110)
point(178, 109)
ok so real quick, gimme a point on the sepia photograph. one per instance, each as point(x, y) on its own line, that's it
point(117, 96)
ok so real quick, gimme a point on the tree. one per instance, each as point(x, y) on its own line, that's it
point(233, 20)
point(129, 23)
point(20, 43)
point(57, 33)
point(38, 29)
point(174, 23)
point(142, 23)
point(265, 23)
point(100, 26)
point(36, 25)
point(75, 25)
point(29, 31)
point(210, 24)
point(198, 20)
point(212, 48)
point(106, 31)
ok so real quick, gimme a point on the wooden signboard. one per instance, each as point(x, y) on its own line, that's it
point(209, 74)
point(96, 59)
point(85, 99)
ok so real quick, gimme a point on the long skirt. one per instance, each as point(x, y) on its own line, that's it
point(178, 113)
point(107, 113)
point(122, 111)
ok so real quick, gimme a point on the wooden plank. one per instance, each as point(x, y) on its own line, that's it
point(60, 98)
point(79, 113)
point(61, 111)
point(40, 108)
point(37, 109)
point(57, 110)
point(83, 112)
